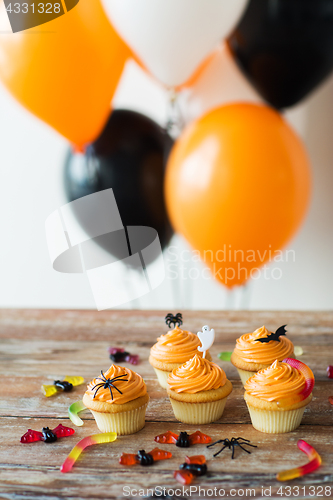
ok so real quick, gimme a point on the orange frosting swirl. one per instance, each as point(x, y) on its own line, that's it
point(252, 351)
point(275, 383)
point(177, 346)
point(197, 374)
point(132, 386)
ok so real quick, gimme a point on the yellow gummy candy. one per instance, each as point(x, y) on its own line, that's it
point(49, 390)
point(74, 380)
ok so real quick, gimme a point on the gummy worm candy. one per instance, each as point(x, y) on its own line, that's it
point(311, 466)
point(73, 411)
point(309, 382)
point(105, 437)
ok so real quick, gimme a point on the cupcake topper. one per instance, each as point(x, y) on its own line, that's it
point(274, 336)
point(206, 338)
point(107, 383)
point(170, 319)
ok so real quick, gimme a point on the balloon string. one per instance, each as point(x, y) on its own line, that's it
point(189, 284)
point(176, 285)
point(133, 303)
point(230, 299)
point(175, 122)
point(246, 294)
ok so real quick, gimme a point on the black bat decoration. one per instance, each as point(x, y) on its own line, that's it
point(274, 336)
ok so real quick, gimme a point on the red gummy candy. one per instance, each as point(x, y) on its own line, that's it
point(31, 436)
point(330, 371)
point(331, 400)
point(183, 476)
point(133, 359)
point(115, 350)
point(200, 438)
point(62, 431)
point(166, 438)
point(128, 459)
point(196, 459)
point(158, 454)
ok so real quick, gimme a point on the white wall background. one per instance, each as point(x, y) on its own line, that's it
point(31, 167)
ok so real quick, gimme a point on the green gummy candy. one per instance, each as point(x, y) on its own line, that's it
point(225, 356)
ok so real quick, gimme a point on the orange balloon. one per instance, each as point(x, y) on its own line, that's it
point(237, 188)
point(67, 70)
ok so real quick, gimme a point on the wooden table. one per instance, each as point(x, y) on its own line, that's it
point(38, 346)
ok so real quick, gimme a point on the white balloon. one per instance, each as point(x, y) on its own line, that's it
point(172, 37)
point(220, 82)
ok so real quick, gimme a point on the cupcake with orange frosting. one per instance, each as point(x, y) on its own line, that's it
point(172, 350)
point(278, 395)
point(198, 391)
point(254, 351)
point(118, 400)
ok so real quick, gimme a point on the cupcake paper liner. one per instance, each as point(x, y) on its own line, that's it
point(126, 422)
point(245, 375)
point(162, 377)
point(198, 413)
point(275, 422)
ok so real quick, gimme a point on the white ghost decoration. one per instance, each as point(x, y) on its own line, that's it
point(206, 338)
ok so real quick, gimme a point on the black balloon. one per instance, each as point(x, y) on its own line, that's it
point(129, 157)
point(285, 47)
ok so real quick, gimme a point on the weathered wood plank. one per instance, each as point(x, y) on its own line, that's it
point(35, 468)
point(146, 325)
point(39, 346)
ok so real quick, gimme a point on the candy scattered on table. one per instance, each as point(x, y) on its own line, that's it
point(330, 371)
point(191, 468)
point(143, 458)
point(118, 354)
point(231, 443)
point(225, 355)
point(105, 437)
point(309, 383)
point(298, 351)
point(65, 385)
point(311, 466)
point(183, 440)
point(47, 435)
point(73, 411)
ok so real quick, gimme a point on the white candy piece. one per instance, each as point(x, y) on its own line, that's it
point(206, 338)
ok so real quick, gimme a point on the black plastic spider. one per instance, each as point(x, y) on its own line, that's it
point(231, 443)
point(170, 319)
point(107, 383)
